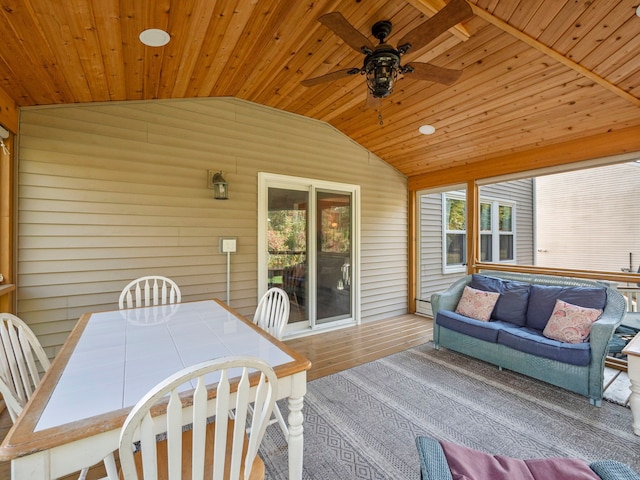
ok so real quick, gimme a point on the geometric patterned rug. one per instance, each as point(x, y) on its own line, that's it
point(362, 423)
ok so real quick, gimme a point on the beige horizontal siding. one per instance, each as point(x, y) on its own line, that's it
point(596, 212)
point(110, 192)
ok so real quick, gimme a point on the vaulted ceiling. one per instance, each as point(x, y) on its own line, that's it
point(535, 72)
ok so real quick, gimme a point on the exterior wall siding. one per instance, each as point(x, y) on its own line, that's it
point(110, 192)
point(522, 193)
point(596, 213)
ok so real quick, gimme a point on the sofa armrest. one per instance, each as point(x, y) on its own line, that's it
point(600, 336)
point(603, 329)
point(612, 470)
point(433, 462)
point(448, 300)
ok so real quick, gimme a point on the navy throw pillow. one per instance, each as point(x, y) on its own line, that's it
point(513, 301)
point(543, 298)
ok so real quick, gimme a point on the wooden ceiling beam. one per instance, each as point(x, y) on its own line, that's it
point(617, 142)
point(8, 112)
point(431, 7)
point(532, 42)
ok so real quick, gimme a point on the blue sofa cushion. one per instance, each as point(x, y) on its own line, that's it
point(542, 299)
point(487, 331)
point(532, 341)
point(514, 297)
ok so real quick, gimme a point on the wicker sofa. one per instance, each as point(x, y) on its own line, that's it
point(584, 377)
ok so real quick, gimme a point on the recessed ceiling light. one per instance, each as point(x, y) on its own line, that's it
point(427, 129)
point(638, 10)
point(154, 37)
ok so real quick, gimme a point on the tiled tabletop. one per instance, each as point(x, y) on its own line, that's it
point(122, 354)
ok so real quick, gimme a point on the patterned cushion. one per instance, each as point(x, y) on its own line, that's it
point(570, 323)
point(477, 304)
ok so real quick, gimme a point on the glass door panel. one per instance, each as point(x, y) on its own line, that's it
point(333, 256)
point(287, 217)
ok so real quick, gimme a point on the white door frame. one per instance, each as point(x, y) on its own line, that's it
point(272, 180)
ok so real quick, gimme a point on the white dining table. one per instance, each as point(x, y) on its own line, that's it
point(111, 359)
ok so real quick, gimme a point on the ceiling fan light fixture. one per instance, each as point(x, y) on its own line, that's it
point(154, 37)
point(381, 69)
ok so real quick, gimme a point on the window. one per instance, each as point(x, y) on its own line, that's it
point(497, 232)
point(486, 237)
point(505, 233)
point(455, 233)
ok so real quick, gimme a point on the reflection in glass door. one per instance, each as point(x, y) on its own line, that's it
point(308, 246)
point(287, 213)
point(333, 256)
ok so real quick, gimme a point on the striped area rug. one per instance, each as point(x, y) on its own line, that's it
point(362, 423)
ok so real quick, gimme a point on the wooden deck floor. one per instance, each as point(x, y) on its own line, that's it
point(345, 348)
point(329, 352)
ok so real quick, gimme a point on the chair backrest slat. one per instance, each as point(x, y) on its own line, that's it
point(237, 396)
point(174, 435)
point(272, 313)
point(149, 291)
point(22, 361)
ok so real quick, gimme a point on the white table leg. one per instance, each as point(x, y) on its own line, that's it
point(633, 370)
point(296, 443)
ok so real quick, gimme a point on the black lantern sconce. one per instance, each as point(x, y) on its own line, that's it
point(219, 185)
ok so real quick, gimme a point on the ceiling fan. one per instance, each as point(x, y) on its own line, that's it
point(382, 62)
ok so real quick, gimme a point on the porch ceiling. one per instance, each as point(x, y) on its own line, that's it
point(535, 72)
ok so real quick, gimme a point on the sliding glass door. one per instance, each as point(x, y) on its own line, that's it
point(287, 247)
point(333, 256)
point(307, 242)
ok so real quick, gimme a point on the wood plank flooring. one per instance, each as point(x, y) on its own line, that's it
point(342, 349)
point(329, 353)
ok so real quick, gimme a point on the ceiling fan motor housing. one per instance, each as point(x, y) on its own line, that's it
point(381, 69)
point(381, 30)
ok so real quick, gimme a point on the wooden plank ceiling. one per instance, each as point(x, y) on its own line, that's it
point(535, 72)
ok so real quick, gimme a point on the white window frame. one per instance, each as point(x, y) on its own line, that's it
point(499, 233)
point(495, 232)
point(272, 180)
point(457, 268)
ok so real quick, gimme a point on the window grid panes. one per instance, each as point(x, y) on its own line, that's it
point(455, 231)
point(497, 236)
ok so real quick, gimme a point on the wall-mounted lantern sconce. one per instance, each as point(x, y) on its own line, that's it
point(219, 185)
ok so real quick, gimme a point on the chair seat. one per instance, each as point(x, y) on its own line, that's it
point(257, 470)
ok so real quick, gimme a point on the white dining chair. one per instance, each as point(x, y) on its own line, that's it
point(149, 291)
point(22, 364)
point(272, 315)
point(188, 442)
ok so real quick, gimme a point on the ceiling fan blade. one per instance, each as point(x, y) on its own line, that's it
point(455, 12)
point(329, 77)
point(347, 32)
point(371, 101)
point(433, 73)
